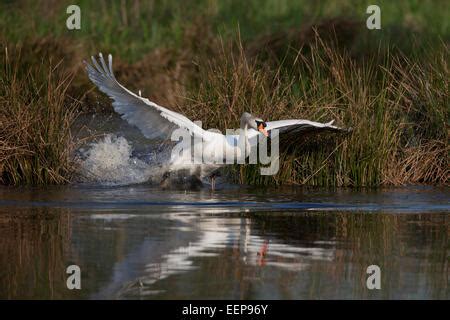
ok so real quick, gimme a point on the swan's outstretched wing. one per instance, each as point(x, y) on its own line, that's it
point(296, 126)
point(151, 119)
point(291, 129)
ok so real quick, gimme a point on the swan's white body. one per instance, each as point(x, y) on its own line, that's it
point(155, 121)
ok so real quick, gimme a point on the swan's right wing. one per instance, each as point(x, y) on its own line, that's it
point(293, 130)
point(297, 126)
point(151, 119)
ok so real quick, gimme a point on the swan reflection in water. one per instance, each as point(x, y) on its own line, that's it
point(206, 235)
point(138, 243)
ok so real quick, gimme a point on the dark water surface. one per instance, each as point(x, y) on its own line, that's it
point(139, 242)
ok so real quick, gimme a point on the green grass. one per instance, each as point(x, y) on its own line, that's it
point(130, 29)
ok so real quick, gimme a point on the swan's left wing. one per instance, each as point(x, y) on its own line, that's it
point(296, 126)
point(151, 119)
point(292, 128)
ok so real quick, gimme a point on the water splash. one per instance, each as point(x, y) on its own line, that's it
point(111, 161)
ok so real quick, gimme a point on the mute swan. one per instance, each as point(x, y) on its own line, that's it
point(155, 121)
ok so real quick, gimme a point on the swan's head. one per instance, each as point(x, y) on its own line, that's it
point(261, 126)
point(255, 123)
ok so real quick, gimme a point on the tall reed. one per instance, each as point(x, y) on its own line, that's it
point(396, 106)
point(35, 119)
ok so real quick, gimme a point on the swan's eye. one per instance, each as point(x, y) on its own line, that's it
point(260, 123)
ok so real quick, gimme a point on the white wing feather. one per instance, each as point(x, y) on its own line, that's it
point(293, 126)
point(299, 124)
point(151, 119)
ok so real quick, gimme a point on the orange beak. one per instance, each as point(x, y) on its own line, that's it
point(262, 130)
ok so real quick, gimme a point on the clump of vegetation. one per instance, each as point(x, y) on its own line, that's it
point(35, 119)
point(211, 61)
point(397, 108)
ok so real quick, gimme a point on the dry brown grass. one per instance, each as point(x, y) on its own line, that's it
point(426, 163)
point(396, 107)
point(35, 118)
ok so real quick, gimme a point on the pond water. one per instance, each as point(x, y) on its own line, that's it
point(141, 242)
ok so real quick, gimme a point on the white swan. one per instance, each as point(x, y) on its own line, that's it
point(155, 121)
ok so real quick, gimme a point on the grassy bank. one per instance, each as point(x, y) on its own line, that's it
point(35, 118)
point(212, 60)
point(397, 107)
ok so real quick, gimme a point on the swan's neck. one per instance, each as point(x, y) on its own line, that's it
point(243, 141)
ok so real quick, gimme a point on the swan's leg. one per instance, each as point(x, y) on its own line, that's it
point(213, 182)
point(212, 178)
